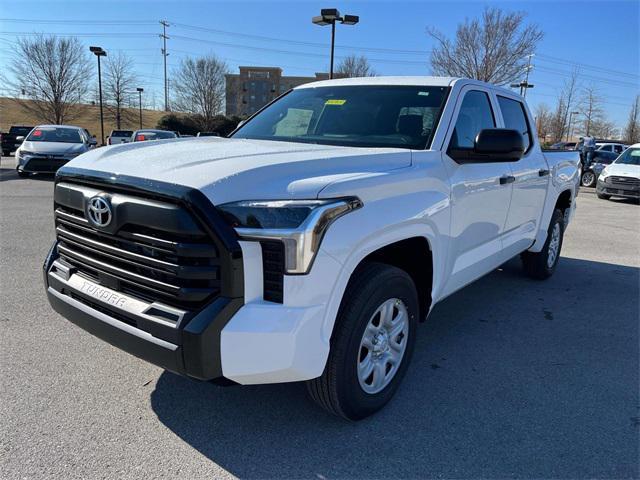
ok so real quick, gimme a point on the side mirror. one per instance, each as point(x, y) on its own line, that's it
point(491, 145)
point(19, 138)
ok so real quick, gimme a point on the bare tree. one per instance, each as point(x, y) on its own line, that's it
point(605, 129)
point(632, 129)
point(53, 73)
point(492, 49)
point(565, 105)
point(590, 106)
point(544, 119)
point(120, 82)
point(354, 66)
point(199, 87)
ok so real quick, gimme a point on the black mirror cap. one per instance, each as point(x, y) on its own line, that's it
point(502, 143)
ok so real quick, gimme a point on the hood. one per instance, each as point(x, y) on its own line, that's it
point(623, 170)
point(238, 169)
point(56, 148)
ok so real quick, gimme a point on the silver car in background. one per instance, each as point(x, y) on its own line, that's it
point(49, 147)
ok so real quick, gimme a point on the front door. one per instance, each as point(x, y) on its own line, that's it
point(480, 194)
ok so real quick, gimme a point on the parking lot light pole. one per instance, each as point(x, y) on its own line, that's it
point(329, 16)
point(140, 90)
point(99, 52)
point(569, 126)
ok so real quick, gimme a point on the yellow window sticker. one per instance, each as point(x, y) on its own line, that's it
point(335, 101)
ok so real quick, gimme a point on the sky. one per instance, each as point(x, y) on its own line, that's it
point(600, 38)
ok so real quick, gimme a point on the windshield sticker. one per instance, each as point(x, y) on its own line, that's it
point(335, 101)
point(423, 94)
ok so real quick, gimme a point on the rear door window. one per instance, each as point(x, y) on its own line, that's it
point(515, 118)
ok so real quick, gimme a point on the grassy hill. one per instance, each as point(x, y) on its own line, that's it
point(89, 117)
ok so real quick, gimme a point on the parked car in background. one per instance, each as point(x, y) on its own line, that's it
point(119, 136)
point(310, 244)
point(14, 138)
point(563, 146)
point(622, 177)
point(151, 134)
point(617, 148)
point(208, 134)
point(600, 159)
point(49, 147)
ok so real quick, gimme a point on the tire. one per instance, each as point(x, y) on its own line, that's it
point(340, 390)
point(588, 179)
point(6, 153)
point(540, 265)
point(603, 196)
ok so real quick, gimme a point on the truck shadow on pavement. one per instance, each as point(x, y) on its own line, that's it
point(510, 378)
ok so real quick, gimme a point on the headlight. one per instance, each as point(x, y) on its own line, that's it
point(22, 153)
point(298, 224)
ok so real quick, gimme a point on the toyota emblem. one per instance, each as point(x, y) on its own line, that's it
point(99, 211)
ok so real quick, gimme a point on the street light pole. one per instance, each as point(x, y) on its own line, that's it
point(140, 90)
point(329, 16)
point(569, 126)
point(99, 52)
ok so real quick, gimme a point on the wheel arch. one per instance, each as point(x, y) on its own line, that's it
point(395, 250)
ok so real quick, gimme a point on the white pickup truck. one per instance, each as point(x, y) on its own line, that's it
point(310, 244)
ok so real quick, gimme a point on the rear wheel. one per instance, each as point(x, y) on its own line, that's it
point(6, 153)
point(371, 344)
point(588, 179)
point(541, 265)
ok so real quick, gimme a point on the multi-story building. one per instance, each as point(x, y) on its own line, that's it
point(254, 87)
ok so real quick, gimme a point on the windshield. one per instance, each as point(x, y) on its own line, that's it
point(355, 116)
point(121, 133)
point(631, 156)
point(55, 134)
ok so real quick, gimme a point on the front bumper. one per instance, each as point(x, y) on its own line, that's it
point(192, 349)
point(618, 190)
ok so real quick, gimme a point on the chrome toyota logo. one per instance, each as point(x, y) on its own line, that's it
point(99, 211)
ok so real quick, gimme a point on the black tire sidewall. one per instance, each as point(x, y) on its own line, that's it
point(557, 217)
point(394, 283)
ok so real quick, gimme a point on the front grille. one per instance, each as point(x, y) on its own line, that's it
point(624, 181)
point(152, 263)
point(45, 164)
point(273, 270)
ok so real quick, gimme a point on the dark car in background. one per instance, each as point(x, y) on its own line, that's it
point(14, 138)
point(599, 160)
point(150, 134)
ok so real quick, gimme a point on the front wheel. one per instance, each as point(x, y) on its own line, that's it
point(371, 345)
point(588, 179)
point(541, 265)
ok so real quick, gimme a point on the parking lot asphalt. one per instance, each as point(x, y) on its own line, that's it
point(511, 378)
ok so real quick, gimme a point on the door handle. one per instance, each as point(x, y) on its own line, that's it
point(543, 172)
point(507, 179)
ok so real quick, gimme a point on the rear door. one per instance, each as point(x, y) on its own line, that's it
point(479, 198)
point(531, 180)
